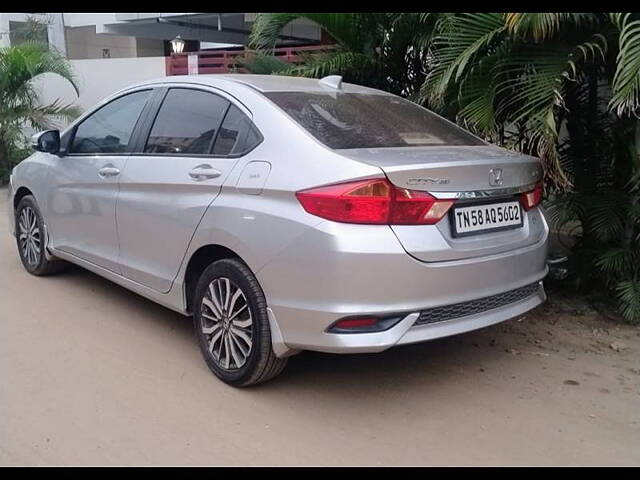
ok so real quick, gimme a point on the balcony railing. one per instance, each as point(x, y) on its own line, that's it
point(225, 61)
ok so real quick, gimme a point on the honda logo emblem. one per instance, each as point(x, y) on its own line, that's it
point(495, 177)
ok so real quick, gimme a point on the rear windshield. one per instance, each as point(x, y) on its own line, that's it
point(361, 120)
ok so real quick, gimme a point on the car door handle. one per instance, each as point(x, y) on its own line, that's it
point(204, 172)
point(108, 171)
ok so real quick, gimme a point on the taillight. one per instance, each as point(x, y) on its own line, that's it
point(532, 198)
point(413, 207)
point(376, 202)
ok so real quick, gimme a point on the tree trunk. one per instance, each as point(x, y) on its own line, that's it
point(592, 128)
point(576, 138)
point(5, 167)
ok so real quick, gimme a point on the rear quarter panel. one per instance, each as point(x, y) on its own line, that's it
point(259, 227)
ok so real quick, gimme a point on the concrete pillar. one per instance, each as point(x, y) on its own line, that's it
point(56, 32)
point(4, 30)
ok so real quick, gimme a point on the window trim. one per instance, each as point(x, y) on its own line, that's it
point(153, 115)
point(132, 140)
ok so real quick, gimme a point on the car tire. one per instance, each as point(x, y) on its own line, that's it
point(31, 241)
point(232, 326)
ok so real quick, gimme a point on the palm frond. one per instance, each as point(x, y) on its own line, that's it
point(626, 81)
point(477, 97)
point(262, 64)
point(608, 215)
point(565, 209)
point(543, 26)
point(23, 63)
point(44, 116)
point(629, 296)
point(462, 38)
point(618, 261)
point(350, 65)
point(341, 26)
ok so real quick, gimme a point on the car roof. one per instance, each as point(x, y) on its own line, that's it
point(264, 83)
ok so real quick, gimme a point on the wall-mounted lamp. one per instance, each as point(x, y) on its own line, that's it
point(177, 44)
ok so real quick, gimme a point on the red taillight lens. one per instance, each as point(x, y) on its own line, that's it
point(413, 207)
point(354, 202)
point(375, 202)
point(532, 198)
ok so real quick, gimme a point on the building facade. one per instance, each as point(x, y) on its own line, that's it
point(130, 35)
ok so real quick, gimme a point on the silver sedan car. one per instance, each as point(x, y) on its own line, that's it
point(286, 214)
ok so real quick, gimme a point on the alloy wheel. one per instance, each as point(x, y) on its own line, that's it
point(29, 236)
point(226, 323)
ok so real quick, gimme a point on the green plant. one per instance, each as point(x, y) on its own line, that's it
point(565, 87)
point(19, 102)
point(605, 224)
point(381, 50)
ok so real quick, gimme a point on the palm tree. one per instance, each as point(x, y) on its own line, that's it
point(526, 72)
point(381, 50)
point(19, 102)
point(564, 86)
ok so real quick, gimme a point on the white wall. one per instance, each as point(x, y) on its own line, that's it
point(84, 43)
point(85, 19)
point(99, 78)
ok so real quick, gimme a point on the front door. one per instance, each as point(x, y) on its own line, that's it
point(84, 183)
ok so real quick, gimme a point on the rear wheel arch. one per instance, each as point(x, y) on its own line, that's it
point(199, 261)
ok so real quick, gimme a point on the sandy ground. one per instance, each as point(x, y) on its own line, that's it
point(94, 374)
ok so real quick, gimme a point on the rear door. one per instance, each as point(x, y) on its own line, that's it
point(166, 187)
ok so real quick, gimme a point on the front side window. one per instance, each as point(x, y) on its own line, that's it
point(362, 120)
point(186, 123)
point(109, 129)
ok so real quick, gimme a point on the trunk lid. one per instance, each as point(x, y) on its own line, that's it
point(468, 173)
point(451, 168)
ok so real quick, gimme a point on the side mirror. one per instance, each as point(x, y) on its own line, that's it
point(47, 141)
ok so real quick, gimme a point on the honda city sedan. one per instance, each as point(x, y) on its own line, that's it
point(286, 214)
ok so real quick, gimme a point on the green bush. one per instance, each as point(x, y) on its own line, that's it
point(19, 102)
point(15, 155)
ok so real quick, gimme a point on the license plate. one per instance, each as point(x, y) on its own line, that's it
point(487, 217)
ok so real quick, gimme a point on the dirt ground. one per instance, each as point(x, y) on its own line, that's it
point(91, 373)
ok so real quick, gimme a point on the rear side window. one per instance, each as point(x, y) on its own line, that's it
point(237, 135)
point(187, 122)
point(359, 120)
point(109, 129)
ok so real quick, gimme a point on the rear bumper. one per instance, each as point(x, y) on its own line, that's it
point(339, 270)
point(406, 331)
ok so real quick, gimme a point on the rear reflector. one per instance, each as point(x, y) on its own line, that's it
point(364, 324)
point(356, 322)
point(533, 198)
point(376, 202)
